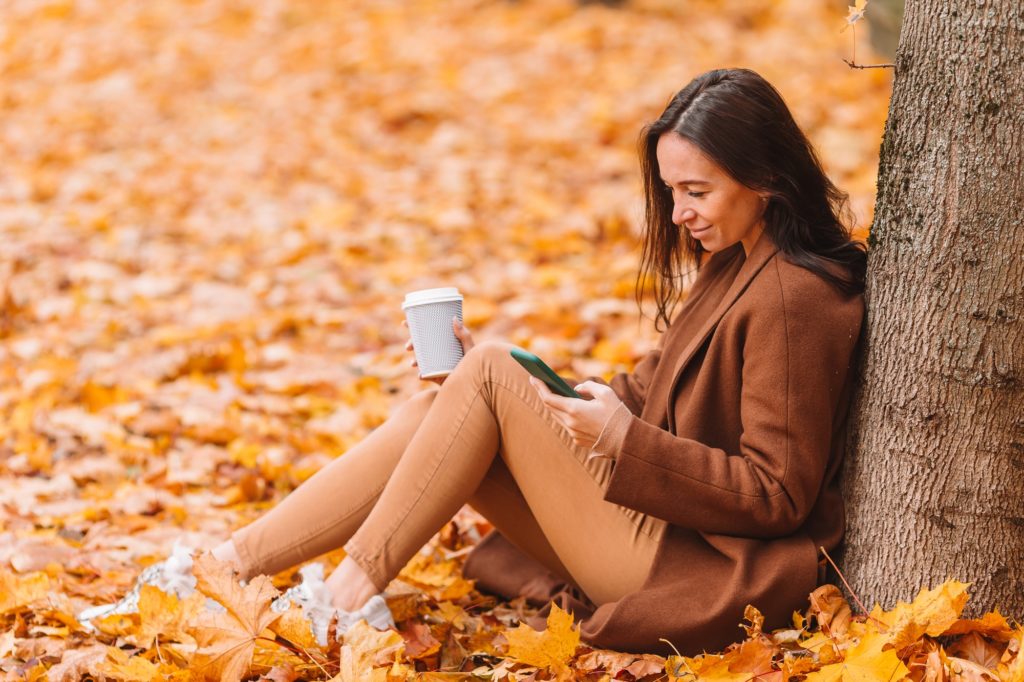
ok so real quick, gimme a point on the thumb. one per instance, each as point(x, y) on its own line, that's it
point(590, 387)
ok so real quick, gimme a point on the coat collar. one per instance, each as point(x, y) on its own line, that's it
point(758, 257)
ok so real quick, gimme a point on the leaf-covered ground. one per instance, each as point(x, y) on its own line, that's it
point(209, 213)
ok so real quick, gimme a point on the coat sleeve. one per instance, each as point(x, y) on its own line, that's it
point(795, 360)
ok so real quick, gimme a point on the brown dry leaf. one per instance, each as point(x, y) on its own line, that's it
point(420, 642)
point(612, 663)
point(752, 657)
point(962, 670)
point(831, 609)
point(227, 640)
point(975, 648)
point(76, 664)
point(551, 648)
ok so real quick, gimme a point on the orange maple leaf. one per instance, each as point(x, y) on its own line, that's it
point(227, 640)
point(551, 648)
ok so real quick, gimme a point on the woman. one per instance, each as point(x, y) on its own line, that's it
point(674, 495)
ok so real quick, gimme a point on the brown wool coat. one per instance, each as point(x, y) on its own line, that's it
point(732, 431)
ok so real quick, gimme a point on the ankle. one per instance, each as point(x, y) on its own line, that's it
point(226, 551)
point(350, 586)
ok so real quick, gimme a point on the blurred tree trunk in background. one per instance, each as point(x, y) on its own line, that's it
point(935, 475)
point(884, 18)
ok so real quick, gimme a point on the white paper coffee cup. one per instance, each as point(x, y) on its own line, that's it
point(429, 313)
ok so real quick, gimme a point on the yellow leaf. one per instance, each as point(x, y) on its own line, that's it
point(365, 651)
point(120, 666)
point(165, 616)
point(931, 613)
point(227, 640)
point(16, 591)
point(295, 627)
point(1011, 666)
point(992, 625)
point(864, 662)
point(711, 667)
point(551, 648)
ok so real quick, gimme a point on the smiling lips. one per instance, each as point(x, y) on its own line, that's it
point(698, 232)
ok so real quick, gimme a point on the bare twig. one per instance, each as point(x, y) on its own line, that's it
point(850, 590)
point(852, 65)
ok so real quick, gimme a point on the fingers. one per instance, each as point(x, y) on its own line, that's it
point(592, 389)
point(551, 399)
point(460, 329)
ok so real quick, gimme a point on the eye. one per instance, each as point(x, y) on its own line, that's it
point(696, 195)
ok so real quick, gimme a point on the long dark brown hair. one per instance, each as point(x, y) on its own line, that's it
point(739, 121)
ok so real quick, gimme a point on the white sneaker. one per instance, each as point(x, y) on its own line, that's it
point(313, 595)
point(375, 612)
point(173, 575)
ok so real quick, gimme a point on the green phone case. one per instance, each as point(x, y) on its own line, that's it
point(539, 369)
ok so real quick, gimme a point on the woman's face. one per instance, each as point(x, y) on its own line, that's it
point(717, 210)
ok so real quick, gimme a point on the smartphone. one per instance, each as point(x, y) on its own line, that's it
point(537, 368)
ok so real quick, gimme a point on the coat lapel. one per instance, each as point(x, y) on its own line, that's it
point(762, 252)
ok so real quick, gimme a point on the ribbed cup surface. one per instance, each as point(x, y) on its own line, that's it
point(437, 348)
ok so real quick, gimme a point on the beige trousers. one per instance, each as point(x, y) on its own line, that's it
point(484, 437)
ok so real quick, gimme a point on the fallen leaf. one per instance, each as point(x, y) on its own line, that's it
point(365, 653)
point(551, 648)
point(17, 592)
point(931, 613)
point(227, 640)
point(830, 608)
point(867, 661)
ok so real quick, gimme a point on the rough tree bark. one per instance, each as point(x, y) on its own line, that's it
point(935, 474)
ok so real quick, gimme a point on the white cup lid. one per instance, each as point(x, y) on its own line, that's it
point(437, 295)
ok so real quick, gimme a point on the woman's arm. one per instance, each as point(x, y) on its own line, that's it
point(795, 359)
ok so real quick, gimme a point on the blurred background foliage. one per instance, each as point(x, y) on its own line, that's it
point(211, 209)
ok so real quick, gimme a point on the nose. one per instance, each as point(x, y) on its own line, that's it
point(682, 214)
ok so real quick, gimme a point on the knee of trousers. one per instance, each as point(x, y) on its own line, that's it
point(487, 357)
point(425, 398)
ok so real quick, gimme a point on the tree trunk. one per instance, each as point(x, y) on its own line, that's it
point(934, 479)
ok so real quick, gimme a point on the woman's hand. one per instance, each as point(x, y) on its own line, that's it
point(461, 333)
point(584, 419)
